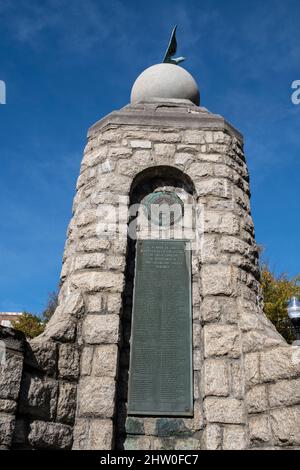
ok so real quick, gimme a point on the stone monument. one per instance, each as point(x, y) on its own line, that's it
point(159, 340)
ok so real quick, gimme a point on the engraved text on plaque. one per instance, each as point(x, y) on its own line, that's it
point(160, 376)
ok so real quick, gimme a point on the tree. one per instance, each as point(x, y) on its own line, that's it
point(33, 325)
point(51, 306)
point(277, 290)
point(30, 324)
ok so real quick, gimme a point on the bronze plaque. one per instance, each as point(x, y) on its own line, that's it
point(160, 374)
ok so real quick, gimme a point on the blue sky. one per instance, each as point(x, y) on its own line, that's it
point(68, 63)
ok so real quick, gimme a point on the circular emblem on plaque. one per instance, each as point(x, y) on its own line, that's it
point(163, 208)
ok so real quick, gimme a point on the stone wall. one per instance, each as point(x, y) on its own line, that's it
point(245, 376)
point(41, 377)
point(12, 344)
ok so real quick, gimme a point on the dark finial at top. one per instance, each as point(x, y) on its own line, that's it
point(171, 50)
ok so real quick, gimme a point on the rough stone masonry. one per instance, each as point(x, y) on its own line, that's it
point(68, 387)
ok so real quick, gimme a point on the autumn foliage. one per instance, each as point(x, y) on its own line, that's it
point(277, 290)
point(33, 325)
point(30, 324)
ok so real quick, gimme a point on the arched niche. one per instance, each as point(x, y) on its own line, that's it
point(163, 179)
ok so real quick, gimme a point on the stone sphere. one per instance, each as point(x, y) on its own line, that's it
point(165, 81)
